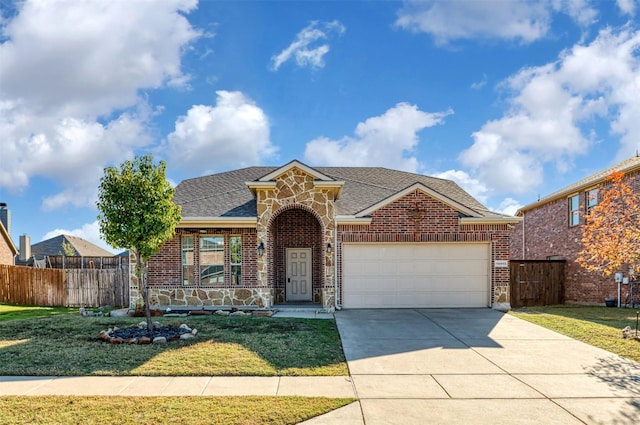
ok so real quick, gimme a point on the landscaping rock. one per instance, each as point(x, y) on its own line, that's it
point(222, 313)
point(237, 313)
point(123, 312)
point(141, 335)
point(187, 336)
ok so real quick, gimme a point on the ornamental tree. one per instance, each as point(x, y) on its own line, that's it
point(611, 235)
point(137, 213)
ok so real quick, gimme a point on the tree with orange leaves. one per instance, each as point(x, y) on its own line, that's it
point(611, 235)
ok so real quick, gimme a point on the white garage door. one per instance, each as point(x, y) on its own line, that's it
point(415, 275)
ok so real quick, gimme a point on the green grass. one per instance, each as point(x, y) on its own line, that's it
point(597, 326)
point(68, 345)
point(12, 312)
point(157, 410)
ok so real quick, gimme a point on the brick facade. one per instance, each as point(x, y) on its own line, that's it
point(545, 233)
point(419, 218)
point(6, 254)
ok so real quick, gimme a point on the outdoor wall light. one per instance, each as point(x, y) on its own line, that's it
point(329, 247)
point(261, 249)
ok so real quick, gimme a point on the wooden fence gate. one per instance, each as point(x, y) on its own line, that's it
point(536, 282)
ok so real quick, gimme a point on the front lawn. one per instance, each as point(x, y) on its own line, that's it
point(158, 410)
point(11, 312)
point(68, 345)
point(597, 326)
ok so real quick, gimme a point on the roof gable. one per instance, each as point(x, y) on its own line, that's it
point(424, 189)
point(291, 165)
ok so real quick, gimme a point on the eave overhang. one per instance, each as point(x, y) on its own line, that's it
point(353, 220)
point(218, 222)
point(469, 221)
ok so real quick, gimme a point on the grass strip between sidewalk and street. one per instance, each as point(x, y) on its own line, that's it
point(597, 326)
point(198, 410)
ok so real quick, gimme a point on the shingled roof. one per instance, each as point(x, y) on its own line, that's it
point(628, 165)
point(54, 246)
point(226, 194)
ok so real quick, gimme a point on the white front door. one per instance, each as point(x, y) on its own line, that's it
point(299, 274)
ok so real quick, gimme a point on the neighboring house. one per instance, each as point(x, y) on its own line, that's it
point(551, 228)
point(56, 246)
point(338, 237)
point(8, 250)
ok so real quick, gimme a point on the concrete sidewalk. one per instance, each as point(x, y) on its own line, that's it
point(321, 386)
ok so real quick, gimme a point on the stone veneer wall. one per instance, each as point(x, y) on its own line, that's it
point(419, 218)
point(547, 234)
point(296, 190)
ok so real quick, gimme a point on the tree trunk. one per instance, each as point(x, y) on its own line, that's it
point(144, 289)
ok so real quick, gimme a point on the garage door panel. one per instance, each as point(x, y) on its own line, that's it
point(415, 275)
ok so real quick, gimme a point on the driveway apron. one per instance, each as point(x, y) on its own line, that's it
point(480, 366)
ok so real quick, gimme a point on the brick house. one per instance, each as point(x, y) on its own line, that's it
point(8, 250)
point(353, 237)
point(551, 228)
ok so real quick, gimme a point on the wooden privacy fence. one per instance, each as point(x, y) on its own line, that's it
point(70, 287)
point(536, 282)
point(77, 262)
point(95, 287)
point(28, 285)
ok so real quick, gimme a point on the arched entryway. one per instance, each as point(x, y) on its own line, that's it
point(297, 252)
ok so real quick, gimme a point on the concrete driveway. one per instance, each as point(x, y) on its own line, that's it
point(478, 366)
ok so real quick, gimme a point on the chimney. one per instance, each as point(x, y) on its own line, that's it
point(25, 247)
point(5, 217)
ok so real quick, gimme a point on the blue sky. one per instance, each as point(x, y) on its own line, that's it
point(512, 99)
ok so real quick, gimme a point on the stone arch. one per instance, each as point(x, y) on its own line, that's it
point(296, 226)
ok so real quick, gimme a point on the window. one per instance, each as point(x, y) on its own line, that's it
point(592, 199)
point(187, 261)
point(574, 210)
point(235, 243)
point(211, 260)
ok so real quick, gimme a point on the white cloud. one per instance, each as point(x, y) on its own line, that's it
point(308, 49)
point(70, 81)
point(89, 231)
point(232, 133)
point(627, 7)
point(522, 20)
point(387, 140)
point(474, 187)
point(552, 108)
point(509, 206)
point(480, 84)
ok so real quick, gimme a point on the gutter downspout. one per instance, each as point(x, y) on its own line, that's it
point(335, 269)
point(524, 227)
